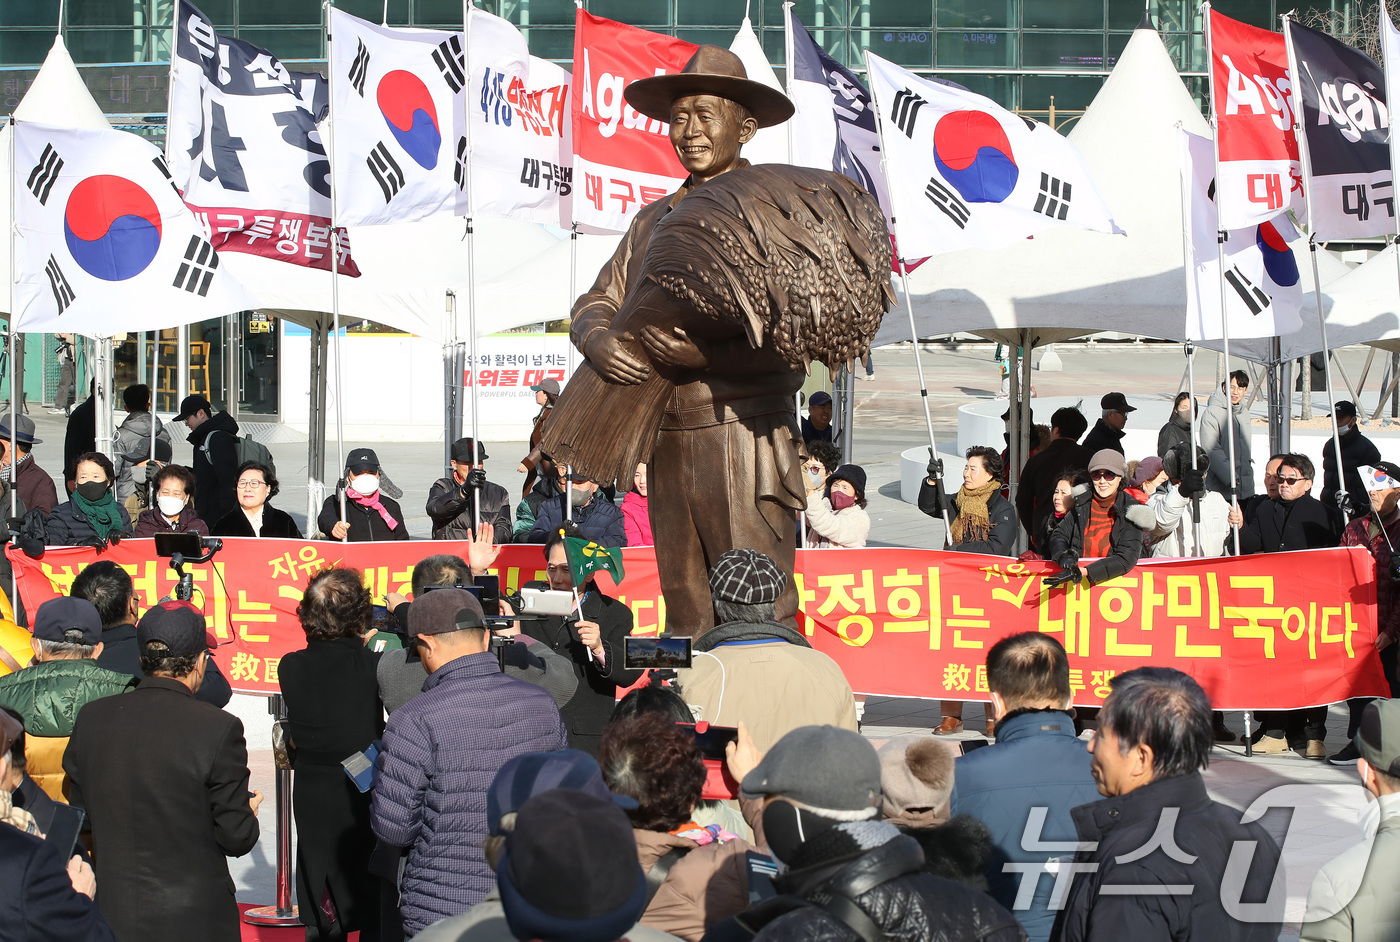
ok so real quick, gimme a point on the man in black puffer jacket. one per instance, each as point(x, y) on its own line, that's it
point(848, 875)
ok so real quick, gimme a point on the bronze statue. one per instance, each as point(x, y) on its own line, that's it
point(699, 330)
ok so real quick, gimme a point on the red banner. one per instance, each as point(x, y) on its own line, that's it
point(1252, 99)
point(622, 160)
point(1274, 631)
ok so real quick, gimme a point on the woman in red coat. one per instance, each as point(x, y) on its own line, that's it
point(636, 521)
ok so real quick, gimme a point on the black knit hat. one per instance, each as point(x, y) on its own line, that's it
point(852, 473)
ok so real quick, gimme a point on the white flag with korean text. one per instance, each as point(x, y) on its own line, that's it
point(243, 147)
point(397, 121)
point(105, 243)
point(521, 140)
point(1263, 291)
point(963, 172)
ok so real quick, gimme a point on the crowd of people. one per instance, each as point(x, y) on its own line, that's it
point(522, 791)
point(463, 774)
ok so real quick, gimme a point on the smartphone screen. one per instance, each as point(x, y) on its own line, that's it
point(185, 543)
point(63, 830)
point(713, 740)
point(648, 653)
point(489, 594)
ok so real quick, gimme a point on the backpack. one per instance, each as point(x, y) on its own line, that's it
point(245, 449)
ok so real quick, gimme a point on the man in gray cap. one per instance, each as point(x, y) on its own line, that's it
point(752, 668)
point(1108, 431)
point(1353, 895)
point(453, 501)
point(847, 874)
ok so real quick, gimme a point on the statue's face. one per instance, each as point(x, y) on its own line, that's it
point(707, 132)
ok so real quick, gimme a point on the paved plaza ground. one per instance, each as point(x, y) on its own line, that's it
point(889, 419)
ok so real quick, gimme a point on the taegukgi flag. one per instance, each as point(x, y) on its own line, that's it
point(623, 160)
point(1251, 97)
point(244, 150)
point(1346, 127)
point(1263, 292)
point(520, 135)
point(964, 172)
point(106, 245)
point(397, 121)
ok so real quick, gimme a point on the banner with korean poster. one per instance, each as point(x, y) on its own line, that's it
point(243, 147)
point(1252, 99)
point(503, 369)
point(622, 160)
point(900, 622)
point(1346, 130)
point(521, 138)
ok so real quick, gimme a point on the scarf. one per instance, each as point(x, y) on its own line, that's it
point(1100, 527)
point(974, 521)
point(103, 515)
point(18, 817)
point(842, 840)
point(373, 501)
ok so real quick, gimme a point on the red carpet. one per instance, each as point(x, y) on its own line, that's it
point(266, 934)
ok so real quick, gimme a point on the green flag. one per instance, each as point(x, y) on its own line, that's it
point(586, 557)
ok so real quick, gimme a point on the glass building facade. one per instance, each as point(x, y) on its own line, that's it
point(1018, 52)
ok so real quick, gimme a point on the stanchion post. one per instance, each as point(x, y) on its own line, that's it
point(283, 912)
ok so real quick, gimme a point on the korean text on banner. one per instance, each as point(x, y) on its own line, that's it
point(1346, 130)
point(105, 238)
point(899, 622)
point(244, 150)
point(622, 160)
point(1252, 97)
point(397, 121)
point(1263, 290)
point(963, 172)
point(521, 136)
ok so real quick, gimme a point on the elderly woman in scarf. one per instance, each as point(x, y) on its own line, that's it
point(982, 522)
point(93, 517)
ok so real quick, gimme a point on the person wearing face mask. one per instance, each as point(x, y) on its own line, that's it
point(843, 872)
point(93, 517)
point(1357, 450)
point(174, 510)
point(370, 515)
point(838, 518)
point(254, 516)
point(636, 522)
point(596, 517)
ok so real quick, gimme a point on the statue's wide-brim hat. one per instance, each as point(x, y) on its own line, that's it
point(711, 71)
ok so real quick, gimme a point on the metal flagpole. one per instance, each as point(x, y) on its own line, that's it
point(1220, 237)
point(335, 276)
point(1188, 258)
point(467, 9)
point(14, 452)
point(573, 296)
point(913, 331)
point(1302, 138)
point(154, 385)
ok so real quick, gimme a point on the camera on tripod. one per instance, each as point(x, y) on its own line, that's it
point(186, 547)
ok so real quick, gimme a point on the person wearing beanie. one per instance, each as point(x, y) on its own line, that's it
point(752, 669)
point(843, 872)
point(453, 501)
point(1353, 896)
point(838, 517)
point(1104, 524)
point(916, 782)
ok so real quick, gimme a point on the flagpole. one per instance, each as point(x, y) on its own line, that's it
point(1220, 236)
point(573, 296)
point(789, 53)
point(1302, 139)
point(335, 274)
point(1388, 29)
point(14, 452)
point(467, 7)
point(913, 329)
point(1188, 258)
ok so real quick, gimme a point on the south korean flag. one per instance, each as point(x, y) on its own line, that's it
point(105, 242)
point(963, 172)
point(397, 119)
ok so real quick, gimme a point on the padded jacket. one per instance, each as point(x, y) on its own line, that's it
point(441, 752)
point(452, 514)
point(1127, 540)
point(49, 695)
point(707, 884)
point(69, 526)
point(599, 520)
point(1000, 542)
point(912, 906)
point(366, 524)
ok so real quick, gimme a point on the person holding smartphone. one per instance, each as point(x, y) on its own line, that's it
point(592, 638)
